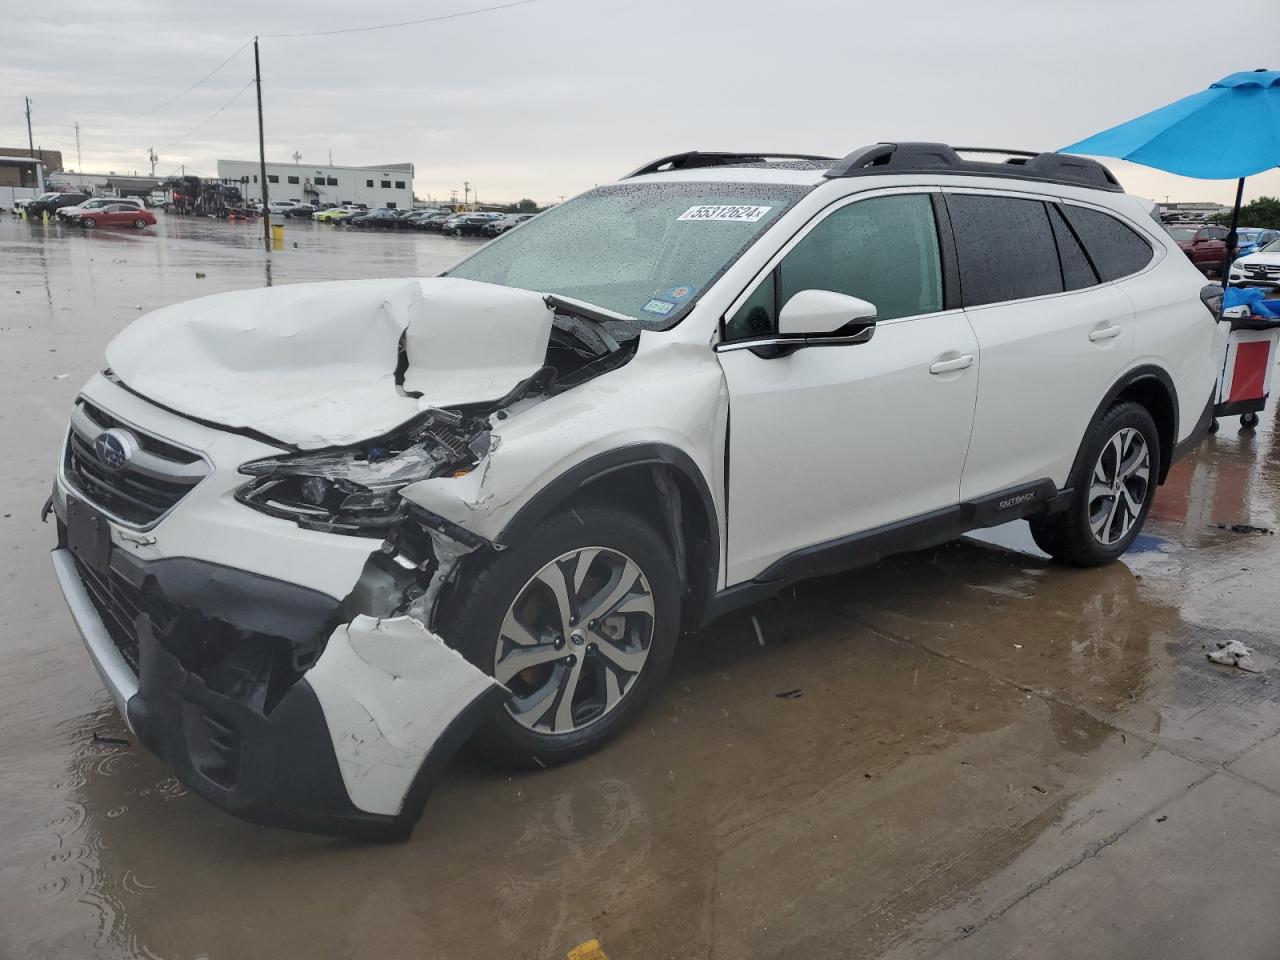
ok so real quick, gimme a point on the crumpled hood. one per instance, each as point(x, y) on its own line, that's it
point(314, 364)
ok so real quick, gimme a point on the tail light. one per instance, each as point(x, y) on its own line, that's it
point(1211, 297)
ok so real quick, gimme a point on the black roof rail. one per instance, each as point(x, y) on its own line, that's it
point(939, 158)
point(694, 158)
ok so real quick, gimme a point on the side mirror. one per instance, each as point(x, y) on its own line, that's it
point(819, 313)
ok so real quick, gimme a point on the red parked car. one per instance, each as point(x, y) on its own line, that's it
point(1204, 245)
point(117, 215)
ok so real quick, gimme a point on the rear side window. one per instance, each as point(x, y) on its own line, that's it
point(1115, 249)
point(1005, 248)
point(1077, 272)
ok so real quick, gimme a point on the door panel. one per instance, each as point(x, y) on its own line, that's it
point(831, 441)
point(1046, 364)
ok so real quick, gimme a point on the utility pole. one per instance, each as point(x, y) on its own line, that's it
point(262, 154)
point(31, 144)
point(466, 192)
point(297, 158)
point(151, 155)
point(79, 162)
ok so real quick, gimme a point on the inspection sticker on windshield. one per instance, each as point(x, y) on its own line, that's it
point(660, 307)
point(725, 213)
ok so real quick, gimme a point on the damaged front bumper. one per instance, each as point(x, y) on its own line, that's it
point(271, 699)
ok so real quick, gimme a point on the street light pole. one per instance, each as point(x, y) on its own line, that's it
point(262, 154)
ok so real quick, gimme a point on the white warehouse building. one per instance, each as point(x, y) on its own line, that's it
point(388, 185)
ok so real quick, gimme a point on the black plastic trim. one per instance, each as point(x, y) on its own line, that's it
point(1136, 375)
point(693, 159)
point(563, 488)
point(1038, 498)
point(884, 159)
point(952, 294)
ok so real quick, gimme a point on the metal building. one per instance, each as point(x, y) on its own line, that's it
point(386, 185)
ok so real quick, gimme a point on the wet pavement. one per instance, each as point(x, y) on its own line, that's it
point(966, 752)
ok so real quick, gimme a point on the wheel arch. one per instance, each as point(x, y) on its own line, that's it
point(1152, 388)
point(660, 482)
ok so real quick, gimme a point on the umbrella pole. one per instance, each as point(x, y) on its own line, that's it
point(1232, 241)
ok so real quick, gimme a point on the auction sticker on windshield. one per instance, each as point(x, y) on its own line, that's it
point(725, 213)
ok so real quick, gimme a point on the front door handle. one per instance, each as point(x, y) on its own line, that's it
point(1105, 333)
point(955, 363)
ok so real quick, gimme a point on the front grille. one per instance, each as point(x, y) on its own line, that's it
point(118, 602)
point(155, 476)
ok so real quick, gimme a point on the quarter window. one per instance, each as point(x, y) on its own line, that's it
point(1005, 248)
point(1077, 272)
point(883, 250)
point(1116, 250)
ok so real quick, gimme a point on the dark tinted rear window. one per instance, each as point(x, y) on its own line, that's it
point(1005, 248)
point(1076, 270)
point(1116, 250)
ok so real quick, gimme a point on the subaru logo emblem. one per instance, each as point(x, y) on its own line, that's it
point(114, 448)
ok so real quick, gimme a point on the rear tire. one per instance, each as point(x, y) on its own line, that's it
point(605, 652)
point(1111, 492)
point(88, 223)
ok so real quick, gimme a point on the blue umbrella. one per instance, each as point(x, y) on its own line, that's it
point(1227, 132)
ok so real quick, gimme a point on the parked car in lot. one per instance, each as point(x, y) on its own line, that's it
point(471, 225)
point(382, 219)
point(432, 223)
point(504, 223)
point(1204, 244)
point(158, 198)
point(117, 215)
point(1251, 239)
point(307, 210)
point(316, 535)
point(336, 214)
point(25, 202)
point(36, 209)
point(1258, 269)
point(69, 214)
point(277, 208)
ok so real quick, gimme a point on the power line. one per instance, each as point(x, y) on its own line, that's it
point(402, 23)
point(208, 118)
point(196, 84)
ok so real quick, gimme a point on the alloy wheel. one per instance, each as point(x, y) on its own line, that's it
point(575, 639)
point(1120, 485)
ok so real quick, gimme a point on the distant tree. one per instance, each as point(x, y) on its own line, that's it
point(1263, 212)
point(526, 206)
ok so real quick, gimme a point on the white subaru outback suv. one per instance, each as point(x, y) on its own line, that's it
point(317, 536)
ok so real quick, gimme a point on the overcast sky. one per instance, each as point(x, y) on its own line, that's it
point(549, 98)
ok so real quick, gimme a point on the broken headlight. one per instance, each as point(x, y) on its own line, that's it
point(357, 488)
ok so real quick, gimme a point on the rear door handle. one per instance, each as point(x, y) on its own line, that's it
point(955, 363)
point(1106, 333)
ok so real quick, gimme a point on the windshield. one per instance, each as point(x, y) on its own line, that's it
point(644, 250)
point(1182, 233)
point(1272, 247)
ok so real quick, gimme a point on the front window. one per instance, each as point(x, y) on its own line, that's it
point(1183, 234)
point(644, 250)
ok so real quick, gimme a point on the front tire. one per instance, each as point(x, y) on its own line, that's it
point(140, 223)
point(579, 621)
point(88, 223)
point(1112, 493)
